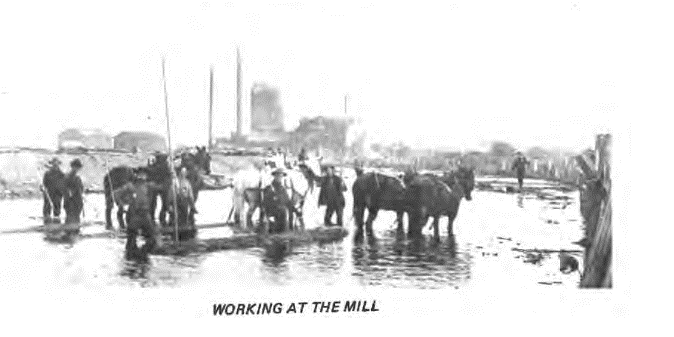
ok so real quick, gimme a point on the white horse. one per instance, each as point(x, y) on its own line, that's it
point(248, 186)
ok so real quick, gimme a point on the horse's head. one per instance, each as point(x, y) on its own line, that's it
point(202, 159)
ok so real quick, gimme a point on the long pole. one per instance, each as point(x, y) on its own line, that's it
point(210, 114)
point(239, 107)
point(170, 148)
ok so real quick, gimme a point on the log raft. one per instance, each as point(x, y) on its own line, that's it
point(250, 240)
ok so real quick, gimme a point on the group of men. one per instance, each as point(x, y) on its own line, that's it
point(62, 189)
point(331, 195)
point(67, 189)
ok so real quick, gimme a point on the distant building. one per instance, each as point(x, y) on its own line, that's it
point(266, 110)
point(84, 138)
point(140, 141)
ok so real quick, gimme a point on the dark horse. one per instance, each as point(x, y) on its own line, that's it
point(159, 172)
point(374, 191)
point(432, 196)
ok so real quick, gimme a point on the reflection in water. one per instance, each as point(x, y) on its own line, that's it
point(417, 263)
point(275, 254)
point(135, 269)
point(545, 220)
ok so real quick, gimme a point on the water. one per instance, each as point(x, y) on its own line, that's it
point(481, 254)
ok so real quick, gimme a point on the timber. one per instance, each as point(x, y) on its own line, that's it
point(596, 210)
point(250, 240)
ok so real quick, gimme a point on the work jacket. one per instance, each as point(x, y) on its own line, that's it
point(332, 191)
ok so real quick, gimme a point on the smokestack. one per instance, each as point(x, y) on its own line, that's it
point(239, 116)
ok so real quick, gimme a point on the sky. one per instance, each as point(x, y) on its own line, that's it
point(455, 74)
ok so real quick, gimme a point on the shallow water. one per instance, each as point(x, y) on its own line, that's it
point(486, 230)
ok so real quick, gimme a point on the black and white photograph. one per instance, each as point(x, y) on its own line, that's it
point(236, 160)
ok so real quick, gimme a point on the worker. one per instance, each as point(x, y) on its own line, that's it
point(277, 202)
point(52, 191)
point(520, 166)
point(73, 193)
point(185, 198)
point(332, 196)
point(137, 195)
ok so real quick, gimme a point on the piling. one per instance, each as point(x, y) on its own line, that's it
point(596, 211)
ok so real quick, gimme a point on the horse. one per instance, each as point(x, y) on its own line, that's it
point(432, 196)
point(159, 173)
point(248, 186)
point(374, 191)
point(114, 179)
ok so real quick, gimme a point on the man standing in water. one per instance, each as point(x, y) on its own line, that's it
point(184, 199)
point(520, 166)
point(332, 196)
point(277, 202)
point(74, 191)
point(52, 190)
point(137, 195)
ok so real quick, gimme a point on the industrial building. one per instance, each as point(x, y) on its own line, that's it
point(84, 139)
point(140, 141)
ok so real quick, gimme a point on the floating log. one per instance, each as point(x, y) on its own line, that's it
point(250, 240)
point(51, 227)
point(546, 251)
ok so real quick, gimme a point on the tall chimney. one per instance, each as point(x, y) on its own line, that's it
point(239, 116)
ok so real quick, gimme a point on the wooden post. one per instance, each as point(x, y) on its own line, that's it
point(598, 255)
point(210, 114)
point(170, 148)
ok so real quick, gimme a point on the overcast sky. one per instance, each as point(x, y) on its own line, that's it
point(459, 74)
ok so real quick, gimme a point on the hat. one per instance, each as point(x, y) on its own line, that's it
point(54, 161)
point(76, 163)
point(279, 171)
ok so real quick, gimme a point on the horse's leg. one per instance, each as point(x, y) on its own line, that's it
point(436, 229)
point(291, 219)
point(252, 205)
point(120, 217)
point(420, 219)
point(450, 224)
point(153, 204)
point(399, 218)
point(164, 208)
point(371, 216)
point(237, 205)
point(108, 211)
point(358, 214)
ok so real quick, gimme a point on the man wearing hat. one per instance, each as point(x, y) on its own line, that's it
point(137, 195)
point(332, 196)
point(73, 193)
point(52, 191)
point(520, 166)
point(277, 202)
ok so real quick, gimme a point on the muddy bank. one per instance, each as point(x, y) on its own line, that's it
point(21, 170)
